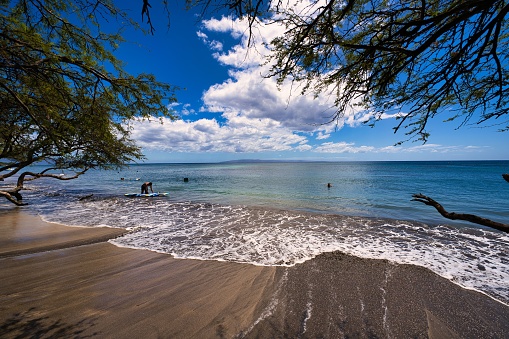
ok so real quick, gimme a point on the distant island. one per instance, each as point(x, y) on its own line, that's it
point(265, 161)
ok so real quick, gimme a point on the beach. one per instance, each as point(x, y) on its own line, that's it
point(60, 281)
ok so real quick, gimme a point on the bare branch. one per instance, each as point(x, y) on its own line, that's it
point(146, 11)
point(34, 176)
point(460, 216)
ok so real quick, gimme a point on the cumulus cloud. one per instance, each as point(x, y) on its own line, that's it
point(255, 96)
point(206, 135)
point(239, 134)
point(254, 113)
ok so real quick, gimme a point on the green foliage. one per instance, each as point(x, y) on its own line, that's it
point(64, 97)
point(417, 58)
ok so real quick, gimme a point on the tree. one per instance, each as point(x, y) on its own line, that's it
point(65, 99)
point(416, 59)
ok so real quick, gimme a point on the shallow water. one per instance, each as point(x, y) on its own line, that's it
point(283, 213)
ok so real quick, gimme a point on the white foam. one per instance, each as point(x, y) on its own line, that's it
point(475, 259)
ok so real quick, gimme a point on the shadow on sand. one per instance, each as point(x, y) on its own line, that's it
point(31, 324)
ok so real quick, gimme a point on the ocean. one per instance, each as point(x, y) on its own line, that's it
point(284, 213)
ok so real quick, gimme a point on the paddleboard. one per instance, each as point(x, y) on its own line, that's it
point(136, 195)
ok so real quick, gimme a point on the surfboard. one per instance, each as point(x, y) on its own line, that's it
point(150, 195)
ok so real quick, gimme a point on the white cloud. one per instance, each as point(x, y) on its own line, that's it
point(433, 148)
point(202, 36)
point(212, 44)
point(240, 134)
point(254, 113)
point(187, 110)
point(322, 136)
point(425, 149)
point(225, 25)
point(250, 94)
point(216, 45)
point(207, 135)
point(343, 147)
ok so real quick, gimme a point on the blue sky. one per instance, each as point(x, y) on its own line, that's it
point(228, 111)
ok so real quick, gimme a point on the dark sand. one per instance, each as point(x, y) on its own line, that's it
point(67, 282)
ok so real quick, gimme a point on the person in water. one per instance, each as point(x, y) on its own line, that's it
point(145, 186)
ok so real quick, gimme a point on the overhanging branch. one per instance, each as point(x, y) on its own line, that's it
point(34, 176)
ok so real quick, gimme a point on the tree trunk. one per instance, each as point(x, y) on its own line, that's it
point(506, 177)
point(10, 195)
point(460, 216)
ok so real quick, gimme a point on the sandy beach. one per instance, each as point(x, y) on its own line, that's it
point(69, 282)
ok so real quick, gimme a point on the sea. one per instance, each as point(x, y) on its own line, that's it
point(284, 213)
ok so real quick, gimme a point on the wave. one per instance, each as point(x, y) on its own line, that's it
point(473, 258)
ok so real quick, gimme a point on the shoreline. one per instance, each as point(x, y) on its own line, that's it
point(69, 281)
point(25, 233)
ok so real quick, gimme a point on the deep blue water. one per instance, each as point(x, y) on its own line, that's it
point(284, 213)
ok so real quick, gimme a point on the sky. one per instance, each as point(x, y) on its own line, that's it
point(229, 111)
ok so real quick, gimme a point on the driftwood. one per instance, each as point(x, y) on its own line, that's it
point(461, 216)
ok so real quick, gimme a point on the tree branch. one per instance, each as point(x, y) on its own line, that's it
point(146, 11)
point(506, 177)
point(34, 176)
point(460, 216)
point(9, 196)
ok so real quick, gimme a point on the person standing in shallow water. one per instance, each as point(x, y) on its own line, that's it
point(145, 186)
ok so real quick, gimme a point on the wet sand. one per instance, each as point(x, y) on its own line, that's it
point(59, 281)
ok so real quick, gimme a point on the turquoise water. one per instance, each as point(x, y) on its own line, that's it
point(284, 213)
point(372, 189)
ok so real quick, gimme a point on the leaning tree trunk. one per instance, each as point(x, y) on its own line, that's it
point(506, 177)
point(13, 196)
point(461, 216)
